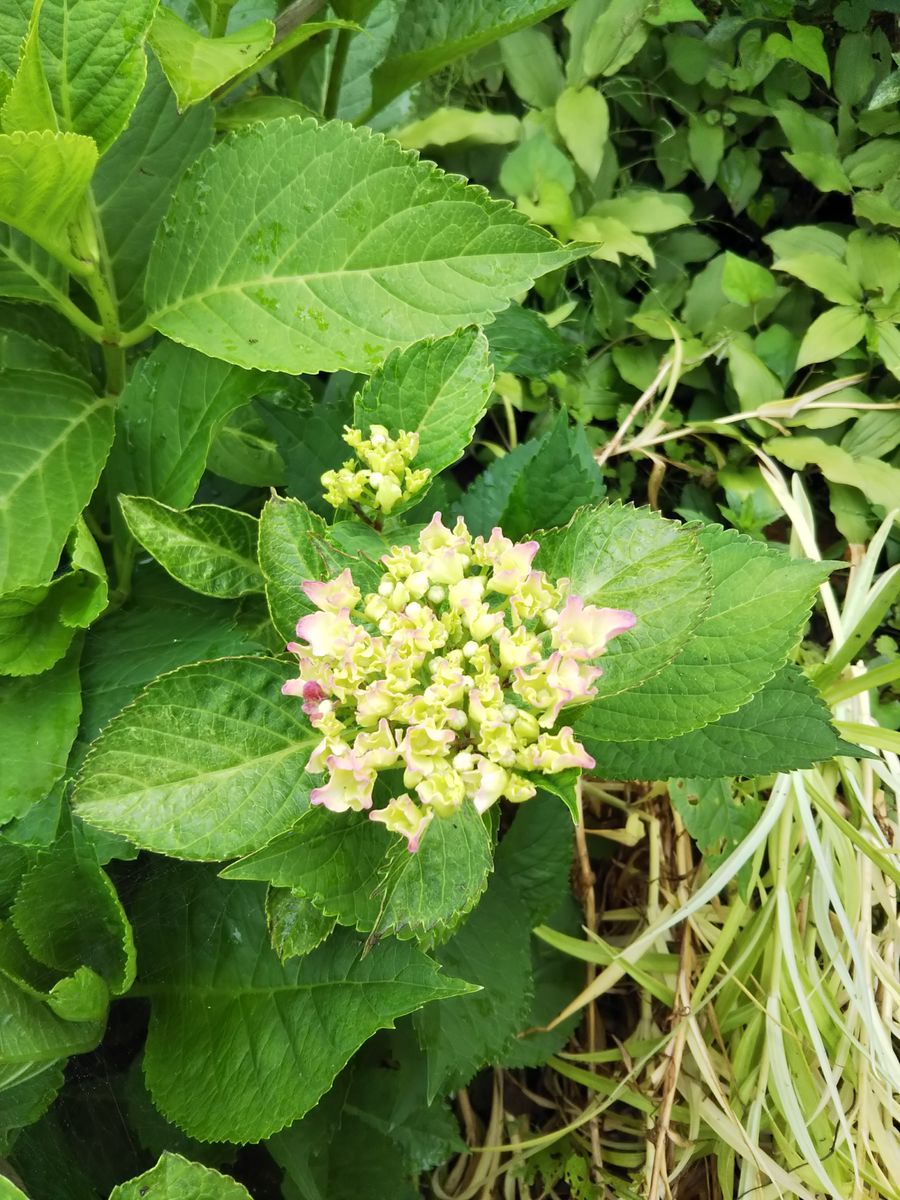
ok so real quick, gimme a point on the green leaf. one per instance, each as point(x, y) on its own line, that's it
point(34, 1037)
point(196, 65)
point(240, 1044)
point(523, 343)
point(806, 47)
point(388, 1096)
point(208, 548)
point(442, 32)
point(13, 29)
point(57, 434)
point(825, 273)
point(878, 480)
point(831, 334)
point(760, 604)
point(450, 126)
point(434, 888)
point(28, 272)
point(134, 182)
point(294, 545)
point(68, 915)
point(532, 67)
point(644, 211)
point(28, 105)
point(540, 484)
point(9, 1191)
point(162, 627)
point(886, 94)
point(706, 144)
point(491, 949)
point(38, 722)
point(44, 177)
point(806, 239)
point(614, 238)
point(334, 859)
point(167, 416)
point(296, 926)
point(95, 63)
point(784, 727)
point(24, 1102)
point(536, 855)
point(206, 764)
point(369, 268)
point(889, 346)
point(623, 557)
point(616, 32)
point(288, 556)
point(174, 1178)
point(582, 118)
point(33, 636)
point(715, 814)
point(438, 389)
point(746, 282)
point(557, 978)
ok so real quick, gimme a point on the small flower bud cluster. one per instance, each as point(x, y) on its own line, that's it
point(386, 477)
point(455, 671)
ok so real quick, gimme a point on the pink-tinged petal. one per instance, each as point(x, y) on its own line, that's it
point(332, 595)
point(586, 629)
point(293, 687)
point(348, 787)
point(328, 634)
point(405, 817)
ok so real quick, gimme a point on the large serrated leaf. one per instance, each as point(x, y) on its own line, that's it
point(68, 915)
point(784, 727)
point(38, 722)
point(623, 557)
point(438, 389)
point(56, 436)
point(168, 414)
point(94, 60)
point(208, 763)
point(760, 604)
point(491, 949)
point(174, 1178)
point(429, 36)
point(208, 548)
point(296, 545)
point(43, 179)
point(334, 859)
point(240, 1044)
point(134, 181)
point(363, 250)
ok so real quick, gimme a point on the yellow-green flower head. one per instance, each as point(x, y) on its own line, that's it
point(380, 476)
point(454, 673)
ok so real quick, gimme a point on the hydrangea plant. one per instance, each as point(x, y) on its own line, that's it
point(475, 660)
point(450, 654)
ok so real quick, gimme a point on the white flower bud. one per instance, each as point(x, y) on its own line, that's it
point(470, 648)
point(376, 478)
point(464, 761)
point(385, 587)
point(550, 617)
point(436, 593)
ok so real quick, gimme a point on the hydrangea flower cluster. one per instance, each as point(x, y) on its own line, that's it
point(385, 478)
point(456, 670)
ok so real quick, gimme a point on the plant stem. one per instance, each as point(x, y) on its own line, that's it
point(131, 337)
point(336, 74)
point(295, 14)
point(90, 246)
point(218, 19)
